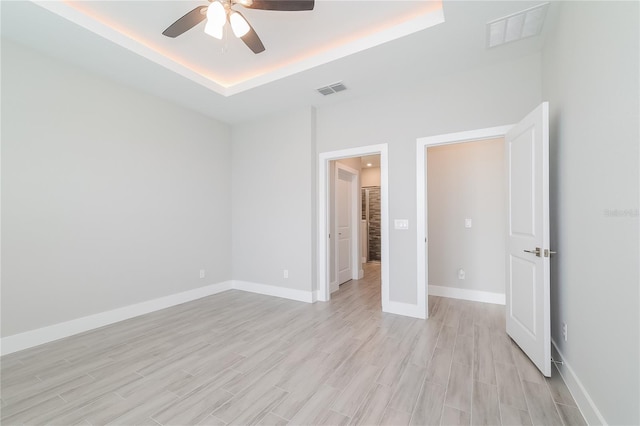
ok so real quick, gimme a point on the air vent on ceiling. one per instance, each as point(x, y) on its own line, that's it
point(524, 24)
point(331, 89)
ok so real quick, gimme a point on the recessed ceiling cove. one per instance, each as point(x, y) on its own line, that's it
point(294, 42)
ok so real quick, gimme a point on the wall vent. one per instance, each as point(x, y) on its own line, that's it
point(524, 24)
point(332, 88)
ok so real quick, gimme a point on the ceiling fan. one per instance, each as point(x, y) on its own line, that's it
point(219, 12)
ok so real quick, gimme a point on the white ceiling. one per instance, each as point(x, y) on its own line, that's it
point(374, 160)
point(367, 44)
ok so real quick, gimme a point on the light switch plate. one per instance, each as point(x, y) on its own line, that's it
point(401, 224)
point(467, 223)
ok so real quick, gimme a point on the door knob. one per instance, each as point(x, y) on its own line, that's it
point(537, 251)
point(548, 253)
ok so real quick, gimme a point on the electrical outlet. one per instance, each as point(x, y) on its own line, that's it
point(564, 331)
point(201, 273)
point(285, 274)
point(461, 274)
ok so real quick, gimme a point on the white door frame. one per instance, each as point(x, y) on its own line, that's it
point(324, 158)
point(353, 219)
point(421, 195)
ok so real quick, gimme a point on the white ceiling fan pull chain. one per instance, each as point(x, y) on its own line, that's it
point(225, 39)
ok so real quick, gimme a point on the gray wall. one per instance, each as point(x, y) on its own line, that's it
point(486, 97)
point(590, 77)
point(109, 196)
point(273, 202)
point(467, 181)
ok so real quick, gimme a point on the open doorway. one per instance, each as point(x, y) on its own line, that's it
point(345, 221)
point(355, 250)
point(527, 267)
point(425, 283)
point(466, 220)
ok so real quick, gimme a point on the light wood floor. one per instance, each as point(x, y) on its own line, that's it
point(241, 358)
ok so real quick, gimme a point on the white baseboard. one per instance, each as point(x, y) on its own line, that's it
point(405, 309)
point(32, 338)
point(585, 404)
point(462, 293)
point(271, 290)
point(36, 337)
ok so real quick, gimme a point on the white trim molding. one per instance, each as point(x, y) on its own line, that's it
point(421, 194)
point(39, 336)
point(405, 309)
point(272, 290)
point(585, 404)
point(466, 294)
point(36, 337)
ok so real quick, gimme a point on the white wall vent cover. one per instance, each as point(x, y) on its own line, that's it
point(332, 88)
point(517, 26)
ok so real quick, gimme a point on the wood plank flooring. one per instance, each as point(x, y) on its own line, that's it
point(241, 358)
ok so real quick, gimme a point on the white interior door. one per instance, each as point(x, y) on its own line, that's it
point(344, 220)
point(527, 266)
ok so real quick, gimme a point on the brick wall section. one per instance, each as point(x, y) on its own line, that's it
point(374, 220)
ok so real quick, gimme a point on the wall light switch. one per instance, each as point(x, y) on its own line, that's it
point(467, 223)
point(401, 224)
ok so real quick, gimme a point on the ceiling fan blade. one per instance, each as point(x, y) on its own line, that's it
point(283, 5)
point(187, 22)
point(252, 40)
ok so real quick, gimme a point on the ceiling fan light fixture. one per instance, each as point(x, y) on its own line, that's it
point(219, 12)
point(239, 25)
point(215, 31)
point(216, 15)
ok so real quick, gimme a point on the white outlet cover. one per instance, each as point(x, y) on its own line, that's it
point(467, 223)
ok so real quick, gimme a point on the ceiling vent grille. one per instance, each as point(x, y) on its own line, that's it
point(331, 89)
point(517, 26)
